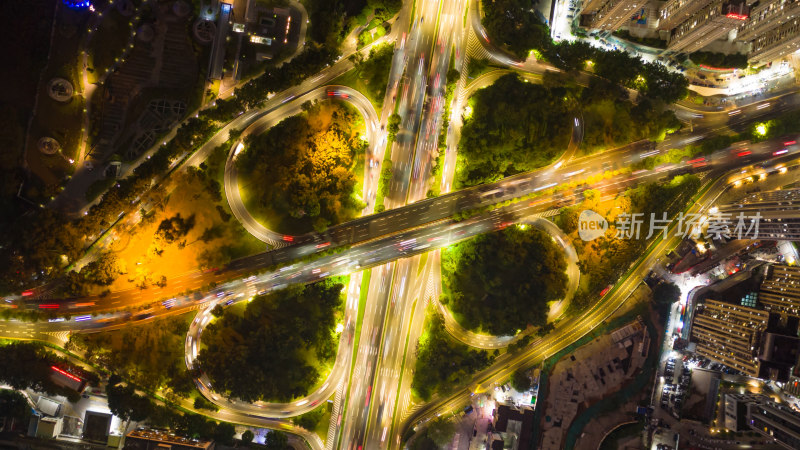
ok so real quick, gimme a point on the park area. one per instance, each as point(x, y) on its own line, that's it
point(306, 172)
point(189, 227)
point(501, 282)
point(605, 259)
point(150, 354)
point(278, 346)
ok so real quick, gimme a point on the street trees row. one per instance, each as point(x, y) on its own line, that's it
point(715, 59)
point(308, 160)
point(651, 79)
point(501, 282)
point(125, 403)
point(515, 127)
point(263, 354)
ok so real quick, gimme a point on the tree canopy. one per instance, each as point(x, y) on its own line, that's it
point(14, 406)
point(666, 293)
point(125, 403)
point(515, 24)
point(609, 122)
point(375, 70)
point(651, 79)
point(501, 282)
point(28, 365)
point(443, 363)
point(262, 354)
point(714, 59)
point(308, 161)
point(520, 381)
point(515, 127)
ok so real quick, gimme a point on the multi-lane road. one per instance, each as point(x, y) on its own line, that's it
point(375, 377)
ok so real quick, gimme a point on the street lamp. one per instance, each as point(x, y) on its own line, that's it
point(761, 129)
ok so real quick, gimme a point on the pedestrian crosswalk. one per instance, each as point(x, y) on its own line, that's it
point(59, 336)
point(337, 409)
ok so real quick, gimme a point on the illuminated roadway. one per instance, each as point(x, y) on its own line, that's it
point(385, 248)
point(441, 234)
point(374, 388)
point(487, 341)
point(564, 334)
point(294, 107)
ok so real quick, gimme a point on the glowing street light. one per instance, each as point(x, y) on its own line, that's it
point(761, 129)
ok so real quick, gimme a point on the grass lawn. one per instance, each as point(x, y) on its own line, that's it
point(478, 67)
point(143, 259)
point(362, 306)
point(61, 121)
point(352, 78)
point(107, 42)
point(373, 32)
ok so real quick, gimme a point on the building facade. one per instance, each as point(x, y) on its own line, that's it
point(736, 410)
point(729, 334)
point(613, 14)
point(775, 43)
point(675, 12)
point(767, 15)
point(780, 291)
point(708, 24)
point(776, 421)
point(778, 213)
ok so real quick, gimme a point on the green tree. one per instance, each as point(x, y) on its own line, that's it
point(514, 24)
point(200, 402)
point(666, 293)
point(309, 420)
point(501, 282)
point(275, 440)
point(268, 345)
point(520, 381)
point(567, 220)
point(571, 56)
point(375, 70)
point(126, 404)
point(14, 406)
point(617, 66)
point(218, 311)
point(393, 126)
point(308, 159)
point(223, 433)
point(385, 179)
point(174, 228)
point(443, 363)
point(515, 127)
point(441, 431)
